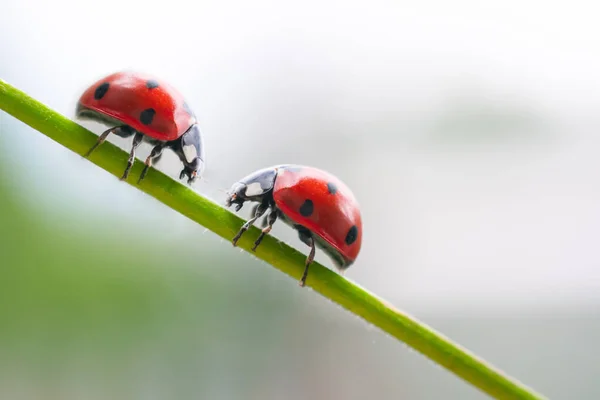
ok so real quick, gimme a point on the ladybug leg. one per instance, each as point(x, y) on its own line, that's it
point(253, 210)
point(309, 259)
point(137, 140)
point(154, 156)
point(260, 210)
point(270, 220)
point(263, 222)
point(306, 237)
point(122, 131)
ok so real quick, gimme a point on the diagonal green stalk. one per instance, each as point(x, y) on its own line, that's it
point(288, 260)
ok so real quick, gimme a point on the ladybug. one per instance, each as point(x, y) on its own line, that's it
point(317, 204)
point(140, 105)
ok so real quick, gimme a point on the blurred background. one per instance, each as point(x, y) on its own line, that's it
point(467, 130)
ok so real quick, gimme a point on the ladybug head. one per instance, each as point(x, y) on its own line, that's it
point(192, 170)
point(191, 153)
point(236, 195)
point(257, 186)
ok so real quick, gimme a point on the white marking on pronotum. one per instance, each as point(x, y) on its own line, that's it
point(254, 189)
point(190, 152)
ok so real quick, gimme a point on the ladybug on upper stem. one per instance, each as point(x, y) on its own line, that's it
point(317, 204)
point(140, 105)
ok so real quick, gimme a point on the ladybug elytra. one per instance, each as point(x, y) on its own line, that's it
point(150, 110)
point(317, 204)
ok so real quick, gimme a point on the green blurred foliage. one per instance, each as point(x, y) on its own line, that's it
point(109, 312)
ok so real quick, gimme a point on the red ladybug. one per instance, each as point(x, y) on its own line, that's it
point(138, 104)
point(317, 204)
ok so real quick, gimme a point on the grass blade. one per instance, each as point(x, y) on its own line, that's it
point(288, 260)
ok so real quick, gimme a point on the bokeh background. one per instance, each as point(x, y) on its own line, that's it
point(468, 130)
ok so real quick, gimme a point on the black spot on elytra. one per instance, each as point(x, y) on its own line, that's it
point(306, 209)
point(331, 188)
point(101, 91)
point(151, 84)
point(147, 116)
point(351, 235)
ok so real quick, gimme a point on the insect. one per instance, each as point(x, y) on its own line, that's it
point(317, 204)
point(140, 105)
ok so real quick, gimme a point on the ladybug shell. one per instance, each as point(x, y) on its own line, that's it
point(323, 204)
point(141, 101)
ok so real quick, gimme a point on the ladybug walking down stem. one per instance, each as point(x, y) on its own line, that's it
point(139, 105)
point(317, 204)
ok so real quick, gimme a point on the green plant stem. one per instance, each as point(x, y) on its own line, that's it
point(288, 260)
